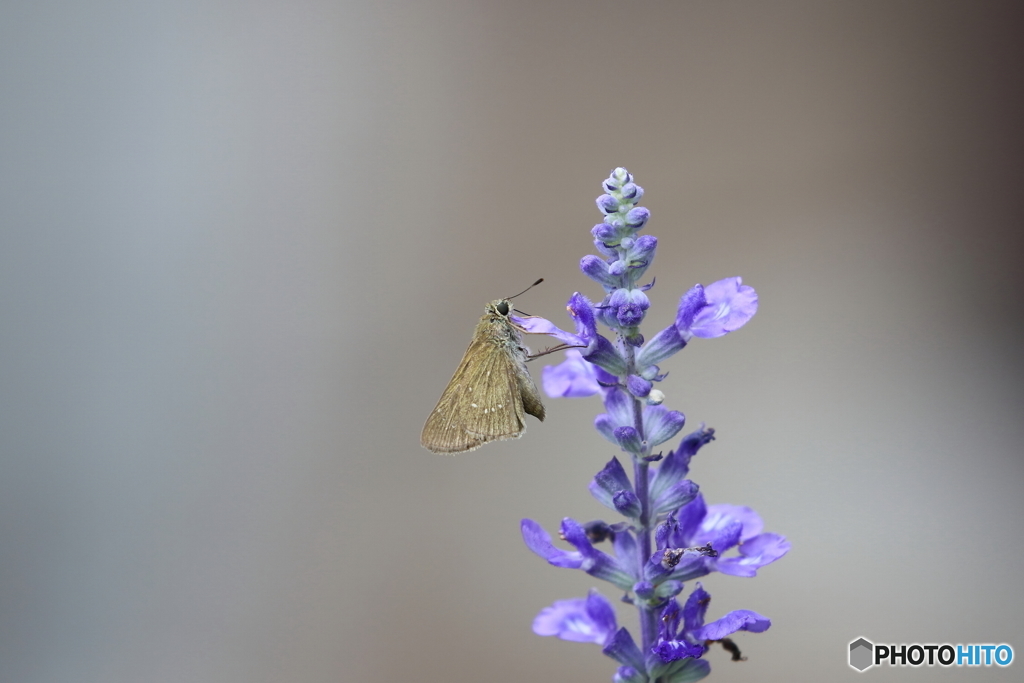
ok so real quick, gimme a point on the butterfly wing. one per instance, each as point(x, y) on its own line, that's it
point(482, 402)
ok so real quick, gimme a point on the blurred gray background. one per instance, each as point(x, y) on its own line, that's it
point(244, 245)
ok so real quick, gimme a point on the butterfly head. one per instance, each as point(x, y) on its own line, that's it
point(501, 307)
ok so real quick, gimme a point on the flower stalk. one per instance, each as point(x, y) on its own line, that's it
point(669, 536)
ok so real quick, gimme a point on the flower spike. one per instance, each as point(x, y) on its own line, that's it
point(668, 535)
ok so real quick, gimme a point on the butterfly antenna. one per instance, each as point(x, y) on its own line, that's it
point(527, 289)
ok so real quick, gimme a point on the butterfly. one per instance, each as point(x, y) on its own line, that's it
point(491, 392)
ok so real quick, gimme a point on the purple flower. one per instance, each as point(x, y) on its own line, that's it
point(712, 311)
point(730, 304)
point(682, 632)
point(582, 620)
point(675, 640)
point(539, 541)
point(669, 534)
point(586, 556)
point(724, 527)
point(596, 349)
point(737, 620)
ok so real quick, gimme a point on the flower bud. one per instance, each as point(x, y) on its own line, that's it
point(607, 204)
point(606, 234)
point(641, 253)
point(632, 193)
point(597, 270)
point(628, 439)
point(638, 386)
point(637, 217)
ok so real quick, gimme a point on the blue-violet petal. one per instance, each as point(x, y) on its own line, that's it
point(730, 305)
point(572, 378)
point(737, 620)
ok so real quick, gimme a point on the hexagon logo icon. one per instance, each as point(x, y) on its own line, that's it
point(861, 654)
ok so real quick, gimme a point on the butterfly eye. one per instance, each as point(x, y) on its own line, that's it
point(503, 308)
